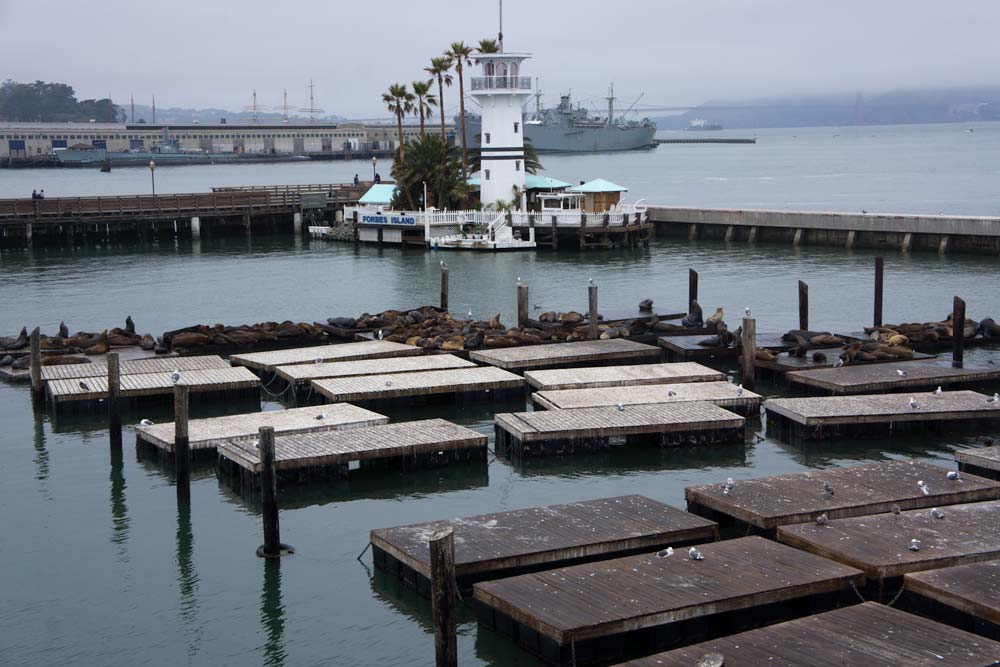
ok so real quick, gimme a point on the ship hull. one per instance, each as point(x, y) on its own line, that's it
point(566, 139)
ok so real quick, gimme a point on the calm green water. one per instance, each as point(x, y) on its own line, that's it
point(99, 567)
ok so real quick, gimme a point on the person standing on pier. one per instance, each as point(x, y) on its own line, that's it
point(355, 179)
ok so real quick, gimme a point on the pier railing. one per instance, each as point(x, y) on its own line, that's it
point(501, 83)
point(619, 217)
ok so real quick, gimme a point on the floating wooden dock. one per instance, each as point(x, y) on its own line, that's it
point(332, 454)
point(684, 347)
point(880, 544)
point(369, 349)
point(621, 376)
point(302, 374)
point(881, 378)
point(598, 611)
point(134, 367)
point(861, 635)
point(768, 502)
point(523, 434)
point(723, 394)
point(206, 380)
point(561, 355)
point(209, 433)
point(822, 416)
point(466, 381)
point(967, 596)
point(983, 461)
point(787, 364)
point(491, 546)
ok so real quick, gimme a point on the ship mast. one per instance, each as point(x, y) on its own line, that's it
point(611, 104)
point(500, 32)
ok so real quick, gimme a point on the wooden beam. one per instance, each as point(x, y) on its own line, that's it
point(958, 333)
point(803, 306)
point(748, 365)
point(879, 269)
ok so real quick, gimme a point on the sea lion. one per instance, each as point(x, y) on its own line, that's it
point(160, 347)
point(646, 305)
point(100, 347)
point(898, 339)
point(495, 322)
point(453, 343)
point(129, 325)
point(60, 360)
point(826, 340)
point(63, 330)
point(572, 317)
point(851, 352)
point(694, 317)
point(547, 316)
point(6, 361)
point(53, 343)
point(147, 342)
point(715, 318)
point(990, 328)
point(801, 347)
point(21, 363)
point(21, 341)
point(474, 341)
point(763, 354)
point(342, 322)
point(863, 356)
point(190, 340)
point(819, 357)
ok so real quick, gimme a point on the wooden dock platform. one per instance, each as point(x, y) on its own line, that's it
point(134, 367)
point(966, 596)
point(768, 502)
point(786, 364)
point(332, 454)
point(562, 355)
point(881, 378)
point(879, 545)
point(685, 347)
point(302, 374)
point(822, 416)
point(621, 376)
point(595, 612)
point(369, 349)
point(491, 546)
point(486, 381)
point(723, 394)
point(982, 461)
point(525, 434)
point(207, 434)
point(862, 635)
point(206, 380)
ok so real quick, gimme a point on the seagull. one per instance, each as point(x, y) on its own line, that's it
point(828, 488)
point(821, 519)
point(590, 280)
point(895, 509)
point(953, 475)
point(994, 399)
point(914, 544)
point(621, 408)
point(145, 422)
point(519, 280)
point(938, 391)
point(746, 311)
point(84, 385)
point(936, 513)
point(728, 487)
point(536, 307)
point(671, 393)
point(469, 314)
point(901, 373)
point(694, 554)
point(838, 363)
point(320, 416)
point(175, 377)
point(923, 487)
point(739, 390)
point(318, 360)
point(380, 334)
point(388, 383)
point(443, 265)
point(913, 403)
point(663, 553)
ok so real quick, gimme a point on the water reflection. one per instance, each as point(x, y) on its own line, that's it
point(187, 579)
point(119, 510)
point(42, 454)
point(272, 614)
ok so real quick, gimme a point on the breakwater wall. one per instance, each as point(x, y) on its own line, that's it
point(940, 233)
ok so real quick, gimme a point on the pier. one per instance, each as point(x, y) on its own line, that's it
point(562, 355)
point(301, 374)
point(492, 546)
point(723, 394)
point(600, 612)
point(133, 367)
point(268, 362)
point(983, 461)
point(621, 376)
point(204, 381)
point(477, 382)
point(966, 596)
point(893, 377)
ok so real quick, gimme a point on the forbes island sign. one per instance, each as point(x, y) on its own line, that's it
point(383, 219)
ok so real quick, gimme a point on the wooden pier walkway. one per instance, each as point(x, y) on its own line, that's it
point(969, 594)
point(723, 394)
point(476, 380)
point(204, 380)
point(983, 461)
point(824, 415)
point(768, 502)
point(787, 364)
point(369, 349)
point(491, 546)
point(561, 355)
point(591, 612)
point(862, 635)
point(621, 376)
point(302, 374)
point(214, 431)
point(880, 544)
point(524, 434)
point(133, 367)
point(880, 378)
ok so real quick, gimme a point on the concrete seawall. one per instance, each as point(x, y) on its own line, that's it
point(943, 233)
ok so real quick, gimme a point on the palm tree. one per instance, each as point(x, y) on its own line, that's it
point(440, 69)
point(425, 100)
point(399, 101)
point(445, 186)
point(459, 54)
point(488, 46)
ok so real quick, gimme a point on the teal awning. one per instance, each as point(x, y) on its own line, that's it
point(531, 182)
point(380, 193)
point(598, 185)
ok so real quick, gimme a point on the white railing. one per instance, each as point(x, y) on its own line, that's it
point(501, 83)
point(492, 221)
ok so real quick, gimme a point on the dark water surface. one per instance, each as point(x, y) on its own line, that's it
point(99, 566)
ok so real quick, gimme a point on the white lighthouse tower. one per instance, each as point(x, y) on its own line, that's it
point(501, 92)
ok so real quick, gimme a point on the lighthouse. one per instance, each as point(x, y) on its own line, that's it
point(501, 92)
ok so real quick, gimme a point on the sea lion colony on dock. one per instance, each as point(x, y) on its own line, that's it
point(64, 348)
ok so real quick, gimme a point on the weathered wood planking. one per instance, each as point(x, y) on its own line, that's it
point(134, 367)
point(972, 589)
point(884, 408)
point(980, 460)
point(303, 373)
point(769, 502)
point(573, 605)
point(211, 432)
point(418, 383)
point(528, 357)
point(861, 635)
point(723, 394)
point(879, 544)
point(493, 545)
point(305, 450)
point(685, 347)
point(370, 349)
point(787, 364)
point(153, 384)
point(621, 376)
point(877, 378)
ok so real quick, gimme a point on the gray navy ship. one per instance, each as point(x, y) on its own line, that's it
point(569, 129)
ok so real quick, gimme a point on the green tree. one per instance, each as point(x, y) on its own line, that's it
point(460, 54)
point(488, 46)
point(399, 101)
point(440, 70)
point(425, 100)
point(446, 188)
point(52, 102)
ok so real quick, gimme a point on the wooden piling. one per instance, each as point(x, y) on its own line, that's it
point(269, 495)
point(592, 293)
point(114, 410)
point(958, 333)
point(522, 305)
point(803, 306)
point(748, 365)
point(182, 442)
point(879, 269)
point(444, 286)
point(692, 287)
point(444, 592)
point(36, 363)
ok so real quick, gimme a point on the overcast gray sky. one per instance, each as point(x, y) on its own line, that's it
point(210, 53)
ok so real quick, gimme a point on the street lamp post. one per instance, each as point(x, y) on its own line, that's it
point(152, 177)
point(374, 162)
point(425, 195)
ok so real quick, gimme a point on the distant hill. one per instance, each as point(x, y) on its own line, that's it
point(912, 106)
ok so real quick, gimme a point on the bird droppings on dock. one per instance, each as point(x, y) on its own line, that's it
point(880, 378)
point(621, 376)
point(534, 357)
point(723, 394)
point(475, 383)
point(269, 361)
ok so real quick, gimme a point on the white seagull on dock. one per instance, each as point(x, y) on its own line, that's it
point(175, 377)
point(939, 391)
point(694, 554)
point(664, 553)
point(827, 488)
point(936, 513)
point(822, 519)
point(739, 390)
point(901, 373)
point(621, 408)
point(146, 422)
point(923, 487)
point(590, 281)
point(728, 487)
point(746, 311)
point(913, 403)
point(380, 334)
point(914, 544)
point(443, 265)
point(838, 363)
point(519, 280)
point(994, 399)
point(953, 475)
